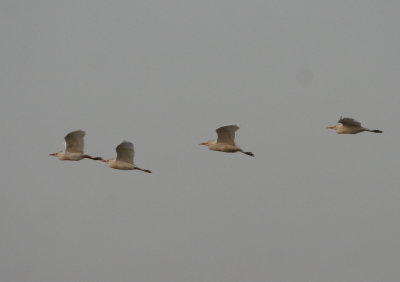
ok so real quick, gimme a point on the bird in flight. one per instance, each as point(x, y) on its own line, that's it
point(73, 148)
point(225, 141)
point(124, 160)
point(350, 126)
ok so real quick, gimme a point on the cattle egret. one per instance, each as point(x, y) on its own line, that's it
point(124, 161)
point(350, 126)
point(225, 141)
point(73, 148)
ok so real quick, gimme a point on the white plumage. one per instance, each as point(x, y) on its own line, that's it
point(350, 126)
point(74, 145)
point(225, 141)
point(124, 160)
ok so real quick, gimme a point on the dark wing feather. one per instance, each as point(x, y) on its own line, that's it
point(125, 152)
point(74, 141)
point(349, 122)
point(226, 134)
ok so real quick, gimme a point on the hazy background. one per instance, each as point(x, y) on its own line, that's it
point(311, 206)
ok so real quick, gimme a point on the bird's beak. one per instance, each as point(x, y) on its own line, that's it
point(331, 127)
point(203, 143)
point(104, 161)
point(52, 154)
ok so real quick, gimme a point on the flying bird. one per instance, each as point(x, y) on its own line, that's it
point(73, 148)
point(225, 141)
point(124, 160)
point(350, 126)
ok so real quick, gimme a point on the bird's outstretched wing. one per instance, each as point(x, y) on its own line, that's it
point(349, 122)
point(125, 152)
point(74, 141)
point(226, 134)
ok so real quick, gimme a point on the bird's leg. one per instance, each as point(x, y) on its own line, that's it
point(145, 170)
point(92, 158)
point(247, 153)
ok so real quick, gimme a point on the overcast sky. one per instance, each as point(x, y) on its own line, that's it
point(311, 206)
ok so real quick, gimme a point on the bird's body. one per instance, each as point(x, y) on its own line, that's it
point(73, 148)
point(350, 126)
point(222, 147)
point(69, 156)
point(113, 163)
point(124, 160)
point(226, 141)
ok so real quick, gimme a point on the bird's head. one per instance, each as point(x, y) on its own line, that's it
point(335, 126)
point(106, 161)
point(55, 154)
point(207, 143)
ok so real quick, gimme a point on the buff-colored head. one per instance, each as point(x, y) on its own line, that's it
point(208, 143)
point(56, 154)
point(335, 127)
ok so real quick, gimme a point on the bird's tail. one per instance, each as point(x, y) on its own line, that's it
point(248, 153)
point(376, 131)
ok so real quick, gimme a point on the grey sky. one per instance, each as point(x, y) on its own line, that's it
point(311, 206)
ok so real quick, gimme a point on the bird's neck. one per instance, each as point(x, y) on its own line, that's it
point(60, 155)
